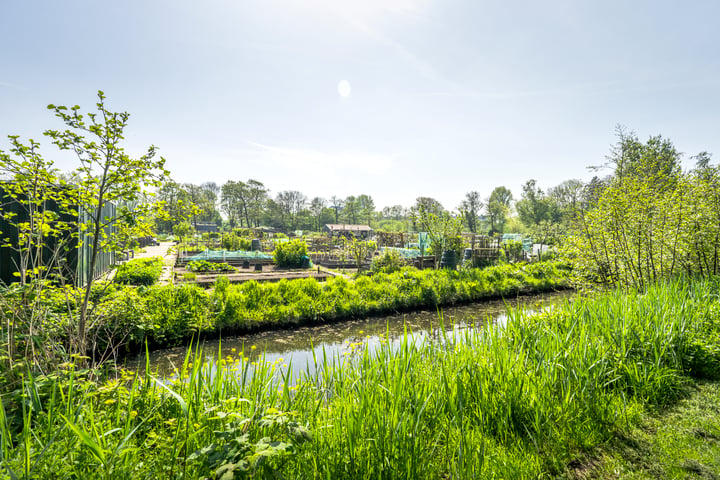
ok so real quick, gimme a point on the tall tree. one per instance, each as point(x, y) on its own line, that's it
point(291, 203)
point(470, 208)
point(366, 208)
point(351, 210)
point(395, 212)
point(568, 196)
point(534, 206)
point(497, 207)
point(317, 205)
point(337, 204)
point(233, 201)
point(173, 199)
point(205, 198)
point(256, 201)
point(630, 157)
point(592, 191)
point(429, 205)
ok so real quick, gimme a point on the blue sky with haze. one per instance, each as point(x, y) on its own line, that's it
point(395, 99)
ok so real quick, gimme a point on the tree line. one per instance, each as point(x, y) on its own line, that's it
point(250, 204)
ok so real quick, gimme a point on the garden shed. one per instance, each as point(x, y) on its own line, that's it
point(347, 230)
point(69, 253)
point(206, 227)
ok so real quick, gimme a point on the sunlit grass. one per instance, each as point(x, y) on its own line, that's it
point(519, 401)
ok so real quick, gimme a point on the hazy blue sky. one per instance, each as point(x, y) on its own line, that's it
point(395, 99)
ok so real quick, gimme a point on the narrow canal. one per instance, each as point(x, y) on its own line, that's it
point(297, 348)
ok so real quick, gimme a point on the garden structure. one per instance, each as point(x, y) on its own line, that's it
point(206, 227)
point(348, 230)
point(67, 254)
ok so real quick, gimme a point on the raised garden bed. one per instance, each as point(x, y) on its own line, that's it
point(269, 273)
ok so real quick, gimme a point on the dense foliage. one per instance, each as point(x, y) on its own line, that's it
point(516, 401)
point(233, 242)
point(168, 315)
point(389, 261)
point(139, 271)
point(290, 254)
point(651, 221)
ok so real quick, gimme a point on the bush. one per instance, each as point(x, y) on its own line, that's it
point(141, 271)
point(176, 313)
point(235, 242)
point(387, 262)
point(124, 321)
point(290, 254)
point(513, 250)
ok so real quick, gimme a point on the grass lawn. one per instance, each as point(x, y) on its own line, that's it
point(682, 441)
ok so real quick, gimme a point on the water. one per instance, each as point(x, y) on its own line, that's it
point(296, 348)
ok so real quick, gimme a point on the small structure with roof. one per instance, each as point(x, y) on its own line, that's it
point(206, 227)
point(347, 230)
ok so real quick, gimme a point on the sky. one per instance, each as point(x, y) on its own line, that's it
point(391, 98)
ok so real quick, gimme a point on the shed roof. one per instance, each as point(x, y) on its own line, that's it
point(347, 227)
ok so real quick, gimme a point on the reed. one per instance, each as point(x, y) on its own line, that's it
point(515, 401)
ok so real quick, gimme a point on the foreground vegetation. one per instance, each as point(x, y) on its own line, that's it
point(546, 395)
point(677, 441)
point(520, 401)
point(127, 316)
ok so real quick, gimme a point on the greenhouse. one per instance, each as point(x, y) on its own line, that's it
point(226, 256)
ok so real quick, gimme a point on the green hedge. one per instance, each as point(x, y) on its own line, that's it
point(140, 271)
point(290, 254)
point(176, 312)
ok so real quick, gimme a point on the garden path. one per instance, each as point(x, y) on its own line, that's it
point(167, 252)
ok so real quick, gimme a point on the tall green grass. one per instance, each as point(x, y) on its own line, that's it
point(515, 401)
point(125, 317)
point(176, 313)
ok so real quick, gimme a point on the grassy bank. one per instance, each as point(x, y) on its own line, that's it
point(676, 441)
point(170, 315)
point(525, 401)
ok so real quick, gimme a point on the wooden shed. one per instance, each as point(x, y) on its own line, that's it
point(347, 230)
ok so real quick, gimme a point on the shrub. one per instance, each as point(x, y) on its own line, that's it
point(513, 250)
point(123, 321)
point(141, 271)
point(290, 254)
point(387, 262)
point(235, 242)
point(177, 312)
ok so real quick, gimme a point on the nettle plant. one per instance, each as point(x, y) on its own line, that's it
point(238, 452)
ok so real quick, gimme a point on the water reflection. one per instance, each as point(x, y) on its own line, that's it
point(298, 347)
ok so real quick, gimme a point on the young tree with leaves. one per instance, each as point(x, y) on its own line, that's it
point(106, 174)
point(650, 221)
point(444, 230)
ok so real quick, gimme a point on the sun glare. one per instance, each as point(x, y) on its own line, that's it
point(344, 88)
